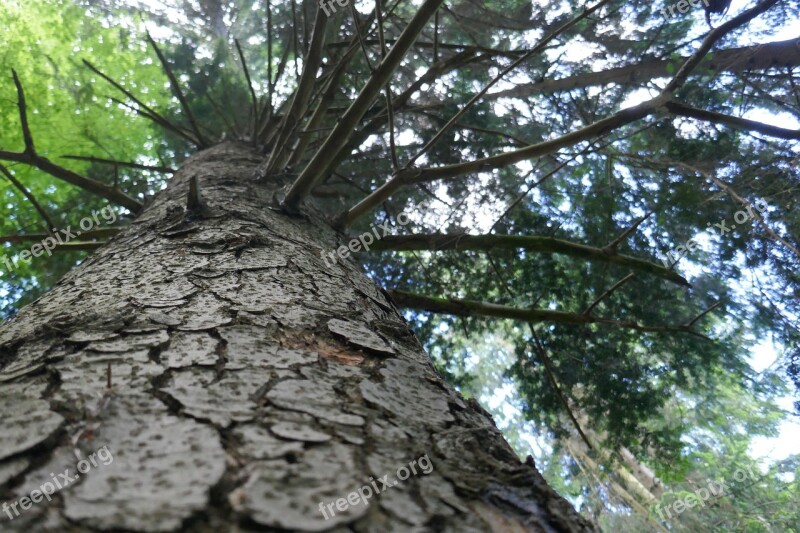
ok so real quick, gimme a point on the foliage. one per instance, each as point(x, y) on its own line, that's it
point(685, 404)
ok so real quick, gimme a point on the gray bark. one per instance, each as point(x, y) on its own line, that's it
point(250, 383)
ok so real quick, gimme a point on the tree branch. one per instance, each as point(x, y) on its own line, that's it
point(624, 235)
point(325, 101)
point(299, 106)
point(157, 119)
point(536, 49)
point(701, 315)
point(30, 157)
point(176, 90)
point(338, 139)
point(100, 189)
point(684, 110)
point(114, 162)
point(608, 293)
point(459, 307)
point(49, 225)
point(433, 73)
point(410, 176)
point(23, 115)
point(777, 54)
point(99, 233)
point(436, 242)
point(711, 39)
point(253, 98)
point(548, 368)
point(142, 109)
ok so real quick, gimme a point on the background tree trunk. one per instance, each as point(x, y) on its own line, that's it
point(250, 382)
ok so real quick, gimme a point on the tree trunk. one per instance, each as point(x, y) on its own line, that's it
point(252, 387)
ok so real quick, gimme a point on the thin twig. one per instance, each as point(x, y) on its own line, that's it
point(608, 292)
point(270, 84)
point(701, 315)
point(117, 163)
point(142, 109)
point(253, 97)
point(388, 88)
point(613, 244)
point(548, 367)
point(357, 25)
point(23, 115)
point(176, 90)
point(48, 222)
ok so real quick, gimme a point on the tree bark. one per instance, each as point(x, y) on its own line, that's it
point(250, 383)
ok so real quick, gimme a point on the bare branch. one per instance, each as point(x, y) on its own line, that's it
point(684, 110)
point(176, 90)
point(99, 233)
point(711, 39)
point(411, 176)
point(265, 132)
point(338, 139)
point(608, 293)
point(524, 242)
point(157, 119)
point(388, 88)
point(142, 109)
point(613, 244)
point(326, 99)
point(48, 222)
point(253, 98)
point(124, 91)
point(757, 57)
point(100, 189)
point(459, 307)
point(432, 74)
point(701, 315)
point(302, 95)
point(79, 246)
point(270, 85)
point(114, 162)
point(233, 129)
point(548, 368)
point(23, 115)
point(360, 36)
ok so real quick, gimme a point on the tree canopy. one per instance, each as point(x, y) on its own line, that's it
point(603, 198)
